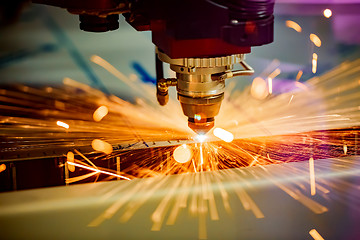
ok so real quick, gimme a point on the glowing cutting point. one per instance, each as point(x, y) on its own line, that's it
point(223, 134)
point(62, 124)
point(102, 146)
point(201, 137)
point(327, 13)
point(182, 154)
point(100, 113)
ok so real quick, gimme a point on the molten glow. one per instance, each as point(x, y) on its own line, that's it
point(315, 39)
point(70, 158)
point(223, 134)
point(314, 62)
point(100, 113)
point(327, 13)
point(182, 154)
point(293, 25)
point(315, 234)
point(102, 146)
point(201, 138)
point(345, 149)
point(97, 170)
point(259, 88)
point(2, 167)
point(62, 124)
point(312, 177)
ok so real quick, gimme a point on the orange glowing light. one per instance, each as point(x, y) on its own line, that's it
point(299, 74)
point(2, 167)
point(182, 154)
point(97, 170)
point(293, 25)
point(315, 39)
point(70, 158)
point(100, 113)
point(327, 13)
point(315, 234)
point(314, 62)
point(312, 177)
point(101, 146)
point(223, 134)
point(62, 124)
point(259, 88)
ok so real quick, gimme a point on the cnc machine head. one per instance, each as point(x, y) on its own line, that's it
point(202, 40)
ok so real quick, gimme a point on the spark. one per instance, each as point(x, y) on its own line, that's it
point(182, 154)
point(223, 135)
point(62, 124)
point(312, 176)
point(2, 167)
point(70, 158)
point(315, 39)
point(97, 170)
point(327, 13)
point(275, 73)
point(100, 113)
point(299, 74)
point(314, 62)
point(259, 88)
point(315, 234)
point(201, 154)
point(345, 149)
point(101, 146)
point(291, 98)
point(270, 85)
point(293, 25)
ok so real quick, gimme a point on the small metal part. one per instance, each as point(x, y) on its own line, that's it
point(200, 83)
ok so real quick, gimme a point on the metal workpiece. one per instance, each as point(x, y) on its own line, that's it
point(200, 84)
point(258, 201)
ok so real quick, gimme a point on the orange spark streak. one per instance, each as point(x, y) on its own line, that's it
point(315, 234)
point(62, 124)
point(97, 170)
point(100, 113)
point(315, 39)
point(2, 167)
point(223, 134)
point(314, 62)
point(293, 25)
point(102, 146)
point(299, 74)
point(70, 158)
point(312, 176)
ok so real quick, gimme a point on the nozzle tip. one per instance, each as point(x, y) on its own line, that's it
point(201, 127)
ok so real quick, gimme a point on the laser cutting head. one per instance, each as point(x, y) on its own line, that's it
point(200, 83)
